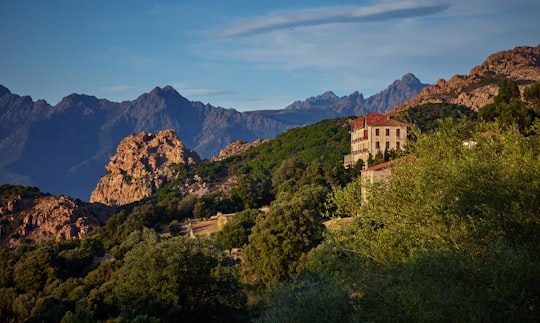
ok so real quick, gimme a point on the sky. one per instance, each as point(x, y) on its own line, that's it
point(249, 55)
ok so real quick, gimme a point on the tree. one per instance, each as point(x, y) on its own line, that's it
point(307, 298)
point(532, 96)
point(178, 279)
point(33, 269)
point(345, 201)
point(287, 175)
point(235, 233)
point(508, 91)
point(507, 107)
point(281, 238)
point(246, 192)
point(205, 207)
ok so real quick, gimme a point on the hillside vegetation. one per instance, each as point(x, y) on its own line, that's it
point(453, 235)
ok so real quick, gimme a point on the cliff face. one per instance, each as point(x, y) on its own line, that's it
point(143, 163)
point(480, 86)
point(39, 217)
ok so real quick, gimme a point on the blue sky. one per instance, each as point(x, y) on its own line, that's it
point(249, 55)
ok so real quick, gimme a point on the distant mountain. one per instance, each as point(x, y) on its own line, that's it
point(63, 149)
point(328, 105)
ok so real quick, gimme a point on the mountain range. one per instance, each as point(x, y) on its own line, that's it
point(64, 148)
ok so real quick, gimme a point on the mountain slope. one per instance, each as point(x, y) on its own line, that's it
point(63, 148)
point(477, 89)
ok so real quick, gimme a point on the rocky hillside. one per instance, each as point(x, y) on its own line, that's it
point(35, 217)
point(236, 147)
point(480, 86)
point(62, 149)
point(143, 163)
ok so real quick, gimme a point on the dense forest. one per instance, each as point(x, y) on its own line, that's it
point(452, 235)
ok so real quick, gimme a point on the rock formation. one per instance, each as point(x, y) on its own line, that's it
point(143, 163)
point(37, 217)
point(236, 147)
point(480, 86)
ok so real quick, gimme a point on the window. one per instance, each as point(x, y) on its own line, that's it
point(377, 146)
point(376, 132)
point(398, 145)
point(387, 132)
point(365, 134)
point(388, 145)
point(398, 132)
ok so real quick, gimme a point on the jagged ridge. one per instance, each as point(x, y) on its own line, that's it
point(480, 86)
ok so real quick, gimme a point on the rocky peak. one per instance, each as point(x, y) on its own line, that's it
point(168, 95)
point(410, 79)
point(327, 98)
point(142, 164)
point(396, 93)
point(37, 217)
point(519, 63)
point(480, 86)
point(237, 147)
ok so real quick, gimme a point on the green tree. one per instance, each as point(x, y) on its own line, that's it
point(205, 207)
point(532, 96)
point(33, 269)
point(175, 227)
point(178, 279)
point(246, 193)
point(235, 233)
point(287, 175)
point(507, 107)
point(307, 298)
point(345, 201)
point(281, 238)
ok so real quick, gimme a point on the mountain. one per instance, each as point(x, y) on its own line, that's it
point(328, 105)
point(63, 148)
point(477, 89)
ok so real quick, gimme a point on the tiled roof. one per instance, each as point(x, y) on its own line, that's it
point(382, 165)
point(375, 119)
point(387, 122)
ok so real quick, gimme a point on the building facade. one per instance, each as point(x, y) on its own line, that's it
point(372, 134)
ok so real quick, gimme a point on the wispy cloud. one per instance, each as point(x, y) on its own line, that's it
point(312, 17)
point(203, 92)
point(116, 88)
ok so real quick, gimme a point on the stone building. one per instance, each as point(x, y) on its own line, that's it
point(373, 133)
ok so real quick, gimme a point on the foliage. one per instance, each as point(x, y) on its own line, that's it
point(8, 189)
point(307, 298)
point(177, 279)
point(326, 141)
point(345, 201)
point(532, 97)
point(427, 116)
point(235, 233)
point(453, 235)
point(250, 193)
point(281, 238)
point(508, 108)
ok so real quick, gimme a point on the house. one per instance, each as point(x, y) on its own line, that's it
point(374, 133)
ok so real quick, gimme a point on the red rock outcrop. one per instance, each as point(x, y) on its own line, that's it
point(38, 217)
point(480, 86)
point(143, 163)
